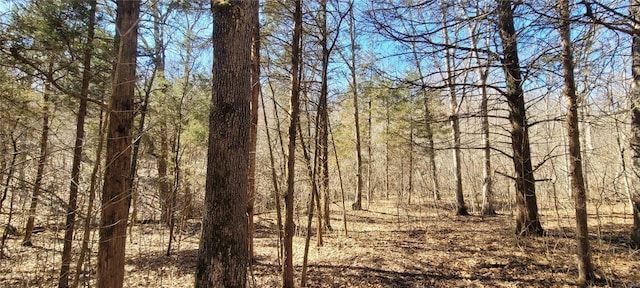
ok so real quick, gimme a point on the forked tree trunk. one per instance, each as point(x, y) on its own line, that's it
point(585, 269)
point(116, 193)
point(287, 275)
point(527, 221)
point(42, 160)
point(223, 254)
point(77, 151)
point(634, 12)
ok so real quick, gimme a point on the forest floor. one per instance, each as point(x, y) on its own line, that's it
point(388, 245)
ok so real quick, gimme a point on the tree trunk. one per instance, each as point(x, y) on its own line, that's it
point(287, 276)
point(116, 193)
point(357, 205)
point(427, 122)
point(461, 208)
point(482, 74)
point(11, 168)
point(585, 268)
point(274, 179)
point(77, 152)
point(527, 221)
point(253, 140)
point(42, 160)
point(634, 12)
point(223, 253)
point(324, 118)
point(92, 196)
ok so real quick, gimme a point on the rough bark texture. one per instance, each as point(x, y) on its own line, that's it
point(116, 193)
point(77, 151)
point(527, 221)
point(223, 253)
point(634, 12)
point(585, 269)
point(287, 275)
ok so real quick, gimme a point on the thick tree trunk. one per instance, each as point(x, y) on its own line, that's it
point(253, 140)
point(42, 160)
point(585, 268)
point(634, 12)
point(116, 193)
point(527, 221)
point(223, 253)
point(77, 151)
point(287, 276)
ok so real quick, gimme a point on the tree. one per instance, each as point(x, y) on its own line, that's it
point(116, 192)
point(585, 268)
point(351, 63)
point(255, 93)
point(287, 274)
point(461, 208)
point(634, 95)
point(77, 149)
point(223, 252)
point(42, 161)
point(527, 221)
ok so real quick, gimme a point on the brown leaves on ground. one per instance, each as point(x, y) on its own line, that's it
point(388, 245)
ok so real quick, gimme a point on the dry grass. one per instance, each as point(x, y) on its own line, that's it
point(387, 246)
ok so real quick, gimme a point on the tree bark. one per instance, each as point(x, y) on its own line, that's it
point(223, 253)
point(461, 208)
point(253, 140)
point(527, 221)
point(42, 160)
point(357, 205)
point(116, 193)
point(324, 118)
point(634, 141)
point(77, 151)
point(585, 269)
point(287, 280)
point(92, 196)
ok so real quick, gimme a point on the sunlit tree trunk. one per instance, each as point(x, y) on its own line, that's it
point(634, 12)
point(287, 275)
point(323, 114)
point(116, 193)
point(461, 208)
point(527, 221)
point(357, 205)
point(77, 151)
point(92, 196)
point(253, 140)
point(223, 254)
point(585, 268)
